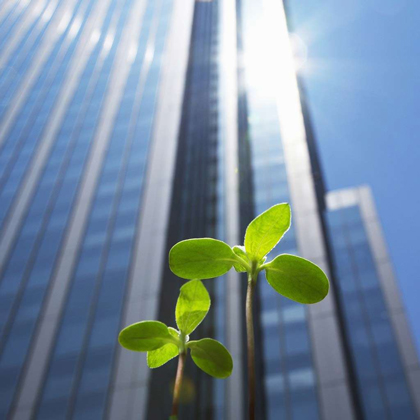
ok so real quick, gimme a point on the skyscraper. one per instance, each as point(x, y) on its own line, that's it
point(127, 125)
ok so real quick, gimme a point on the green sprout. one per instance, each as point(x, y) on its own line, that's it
point(163, 343)
point(293, 277)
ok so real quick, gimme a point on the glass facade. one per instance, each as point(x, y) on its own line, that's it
point(26, 133)
point(81, 365)
point(287, 374)
point(77, 380)
point(381, 379)
point(194, 211)
point(83, 94)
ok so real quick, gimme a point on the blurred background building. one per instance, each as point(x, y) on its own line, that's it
point(128, 125)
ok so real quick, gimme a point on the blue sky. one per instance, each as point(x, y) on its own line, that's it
point(362, 77)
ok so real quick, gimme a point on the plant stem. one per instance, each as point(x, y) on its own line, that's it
point(178, 383)
point(251, 346)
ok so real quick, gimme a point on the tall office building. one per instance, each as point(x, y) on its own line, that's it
point(128, 125)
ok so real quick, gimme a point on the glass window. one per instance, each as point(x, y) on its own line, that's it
point(89, 262)
point(96, 371)
point(126, 218)
point(339, 238)
point(123, 234)
point(273, 367)
point(304, 405)
point(53, 409)
point(6, 301)
point(58, 221)
point(31, 226)
point(368, 279)
point(271, 344)
point(399, 401)
point(112, 293)
point(105, 331)
point(301, 378)
point(9, 378)
point(11, 281)
point(102, 208)
point(70, 339)
point(334, 220)
point(95, 240)
point(40, 274)
point(90, 406)
point(15, 349)
point(299, 361)
point(363, 256)
point(274, 383)
point(276, 406)
point(270, 318)
point(375, 307)
point(343, 261)
point(294, 314)
point(357, 235)
point(31, 303)
point(80, 297)
point(296, 338)
point(389, 359)
point(373, 400)
point(347, 282)
point(353, 306)
point(60, 378)
point(97, 225)
point(119, 255)
point(382, 332)
point(362, 352)
point(351, 215)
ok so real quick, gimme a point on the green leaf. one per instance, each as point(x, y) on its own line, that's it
point(212, 357)
point(159, 357)
point(173, 332)
point(145, 336)
point(266, 230)
point(297, 279)
point(202, 258)
point(192, 306)
point(240, 252)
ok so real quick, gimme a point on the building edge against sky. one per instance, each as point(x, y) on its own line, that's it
point(371, 297)
point(114, 48)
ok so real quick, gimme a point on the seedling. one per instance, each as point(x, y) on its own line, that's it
point(163, 343)
point(293, 277)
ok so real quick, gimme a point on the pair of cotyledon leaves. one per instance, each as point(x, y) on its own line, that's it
point(293, 277)
point(163, 343)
